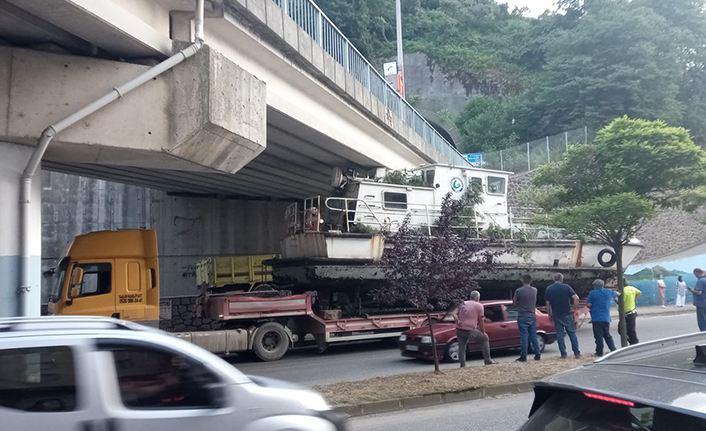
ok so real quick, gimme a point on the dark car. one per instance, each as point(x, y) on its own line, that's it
point(500, 325)
point(655, 386)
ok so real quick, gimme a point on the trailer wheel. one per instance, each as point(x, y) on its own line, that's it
point(270, 342)
point(263, 288)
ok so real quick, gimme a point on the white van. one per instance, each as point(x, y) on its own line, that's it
point(102, 374)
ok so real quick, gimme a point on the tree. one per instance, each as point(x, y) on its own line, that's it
point(486, 125)
point(608, 190)
point(619, 60)
point(433, 272)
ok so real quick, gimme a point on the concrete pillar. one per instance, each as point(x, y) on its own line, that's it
point(13, 160)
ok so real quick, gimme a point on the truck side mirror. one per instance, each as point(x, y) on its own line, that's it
point(76, 281)
point(75, 291)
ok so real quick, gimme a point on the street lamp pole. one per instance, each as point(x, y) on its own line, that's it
point(400, 54)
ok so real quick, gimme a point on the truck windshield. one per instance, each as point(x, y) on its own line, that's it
point(58, 280)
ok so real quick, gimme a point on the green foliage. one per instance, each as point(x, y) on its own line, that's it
point(649, 158)
point(412, 99)
point(465, 217)
point(496, 233)
point(620, 59)
point(446, 117)
point(486, 125)
point(609, 190)
point(614, 219)
point(404, 178)
point(585, 64)
point(364, 228)
point(474, 40)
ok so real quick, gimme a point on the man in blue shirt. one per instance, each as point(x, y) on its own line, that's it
point(561, 301)
point(699, 292)
point(599, 301)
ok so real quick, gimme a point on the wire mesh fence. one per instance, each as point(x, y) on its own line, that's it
point(531, 155)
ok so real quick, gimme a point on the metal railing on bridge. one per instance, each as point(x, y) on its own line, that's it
point(315, 23)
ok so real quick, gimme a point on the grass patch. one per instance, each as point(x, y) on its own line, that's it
point(457, 380)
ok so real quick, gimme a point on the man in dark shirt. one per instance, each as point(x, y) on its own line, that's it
point(561, 303)
point(699, 292)
point(526, 302)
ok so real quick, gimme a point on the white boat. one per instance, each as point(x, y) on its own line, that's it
point(328, 236)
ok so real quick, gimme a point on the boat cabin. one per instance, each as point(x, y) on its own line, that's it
point(379, 205)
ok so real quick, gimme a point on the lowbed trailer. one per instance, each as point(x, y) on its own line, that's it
point(269, 323)
point(116, 274)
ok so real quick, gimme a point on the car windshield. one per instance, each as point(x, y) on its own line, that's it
point(565, 411)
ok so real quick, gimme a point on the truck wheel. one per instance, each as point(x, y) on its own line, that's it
point(270, 342)
point(263, 288)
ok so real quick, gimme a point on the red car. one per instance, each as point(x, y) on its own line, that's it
point(500, 325)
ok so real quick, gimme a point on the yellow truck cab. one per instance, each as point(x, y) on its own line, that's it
point(109, 273)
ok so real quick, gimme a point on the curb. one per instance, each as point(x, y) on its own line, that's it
point(388, 406)
point(664, 313)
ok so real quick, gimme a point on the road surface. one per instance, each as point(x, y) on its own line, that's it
point(493, 414)
point(374, 359)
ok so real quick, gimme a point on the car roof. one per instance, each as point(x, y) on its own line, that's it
point(496, 302)
point(659, 373)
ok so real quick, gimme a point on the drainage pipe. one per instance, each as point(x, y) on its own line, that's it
point(51, 131)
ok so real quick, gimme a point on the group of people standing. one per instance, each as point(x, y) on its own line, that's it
point(562, 303)
point(681, 289)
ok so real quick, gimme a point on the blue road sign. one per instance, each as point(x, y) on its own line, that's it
point(475, 159)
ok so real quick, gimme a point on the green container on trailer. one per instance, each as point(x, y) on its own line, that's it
point(243, 272)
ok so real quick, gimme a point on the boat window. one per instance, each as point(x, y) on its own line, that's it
point(429, 178)
point(477, 183)
point(394, 201)
point(496, 185)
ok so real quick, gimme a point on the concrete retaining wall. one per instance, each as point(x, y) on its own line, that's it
point(188, 228)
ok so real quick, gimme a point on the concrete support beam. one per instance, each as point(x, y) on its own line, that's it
point(274, 18)
point(206, 115)
point(13, 160)
point(130, 29)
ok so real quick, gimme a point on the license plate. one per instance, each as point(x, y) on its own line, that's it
point(412, 348)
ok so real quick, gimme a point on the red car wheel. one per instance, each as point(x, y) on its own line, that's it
point(451, 354)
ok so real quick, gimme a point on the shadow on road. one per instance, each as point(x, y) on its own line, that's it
point(310, 351)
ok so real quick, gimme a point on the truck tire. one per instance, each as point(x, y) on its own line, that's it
point(270, 342)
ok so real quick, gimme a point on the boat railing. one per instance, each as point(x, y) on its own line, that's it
point(375, 215)
point(356, 211)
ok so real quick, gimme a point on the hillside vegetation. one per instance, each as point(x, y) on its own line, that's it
point(584, 64)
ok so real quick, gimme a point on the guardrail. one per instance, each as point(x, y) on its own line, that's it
point(325, 33)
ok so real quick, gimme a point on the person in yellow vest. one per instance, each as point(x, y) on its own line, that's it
point(630, 295)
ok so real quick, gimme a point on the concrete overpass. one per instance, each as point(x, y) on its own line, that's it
point(276, 99)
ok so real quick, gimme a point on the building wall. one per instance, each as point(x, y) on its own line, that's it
point(188, 228)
